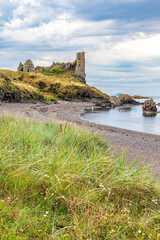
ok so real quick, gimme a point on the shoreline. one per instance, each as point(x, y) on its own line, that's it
point(136, 145)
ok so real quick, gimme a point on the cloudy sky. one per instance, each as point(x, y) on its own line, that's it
point(121, 39)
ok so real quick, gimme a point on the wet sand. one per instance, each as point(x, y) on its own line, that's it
point(136, 145)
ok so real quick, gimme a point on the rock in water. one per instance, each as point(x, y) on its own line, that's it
point(149, 108)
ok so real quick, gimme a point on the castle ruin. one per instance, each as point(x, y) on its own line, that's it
point(78, 66)
point(28, 66)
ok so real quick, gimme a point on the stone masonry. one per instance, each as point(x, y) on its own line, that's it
point(28, 66)
point(80, 65)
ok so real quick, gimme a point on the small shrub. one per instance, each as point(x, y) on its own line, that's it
point(20, 78)
point(75, 75)
point(32, 76)
point(53, 100)
point(57, 69)
point(42, 84)
point(54, 88)
point(42, 69)
point(74, 64)
point(21, 69)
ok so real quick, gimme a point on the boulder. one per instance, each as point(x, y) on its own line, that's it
point(149, 108)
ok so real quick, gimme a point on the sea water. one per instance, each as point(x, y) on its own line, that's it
point(131, 119)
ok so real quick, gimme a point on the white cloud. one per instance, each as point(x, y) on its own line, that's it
point(25, 2)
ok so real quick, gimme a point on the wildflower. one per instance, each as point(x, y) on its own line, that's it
point(155, 201)
point(47, 212)
point(139, 231)
point(21, 229)
point(44, 215)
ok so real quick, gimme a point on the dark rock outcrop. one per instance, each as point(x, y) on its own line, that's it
point(11, 93)
point(12, 96)
point(17, 96)
point(122, 100)
point(126, 99)
point(149, 108)
point(104, 105)
point(8, 81)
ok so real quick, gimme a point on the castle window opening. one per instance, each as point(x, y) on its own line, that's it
point(27, 70)
point(79, 65)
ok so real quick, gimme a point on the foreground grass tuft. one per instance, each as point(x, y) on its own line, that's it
point(60, 182)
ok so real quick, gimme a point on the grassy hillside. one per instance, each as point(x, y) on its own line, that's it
point(60, 182)
point(52, 86)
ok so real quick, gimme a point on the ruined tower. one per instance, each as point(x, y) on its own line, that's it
point(28, 66)
point(80, 65)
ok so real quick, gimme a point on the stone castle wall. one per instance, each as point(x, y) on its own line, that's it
point(80, 65)
point(28, 66)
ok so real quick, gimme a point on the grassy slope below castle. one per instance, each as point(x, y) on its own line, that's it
point(60, 182)
point(64, 86)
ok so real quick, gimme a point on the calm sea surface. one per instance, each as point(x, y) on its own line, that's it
point(132, 119)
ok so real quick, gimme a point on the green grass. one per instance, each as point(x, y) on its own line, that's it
point(61, 182)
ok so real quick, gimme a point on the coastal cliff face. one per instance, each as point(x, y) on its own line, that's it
point(24, 87)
